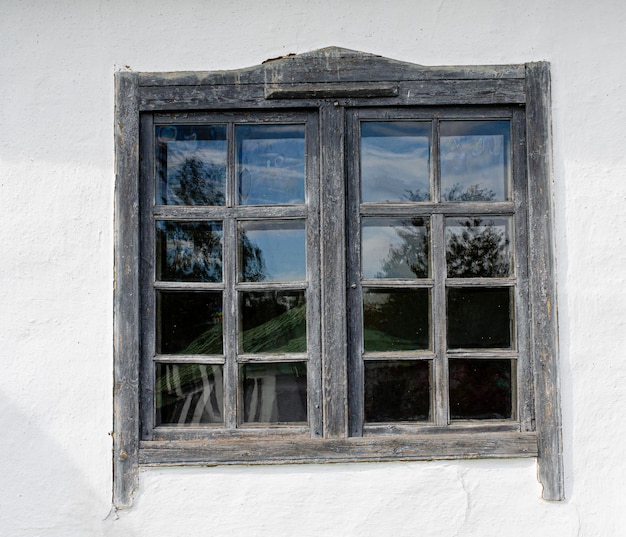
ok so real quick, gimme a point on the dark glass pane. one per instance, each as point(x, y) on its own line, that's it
point(475, 161)
point(274, 393)
point(478, 247)
point(397, 391)
point(189, 322)
point(189, 251)
point(480, 389)
point(191, 165)
point(395, 161)
point(396, 319)
point(188, 394)
point(272, 251)
point(272, 321)
point(394, 248)
point(270, 164)
point(479, 317)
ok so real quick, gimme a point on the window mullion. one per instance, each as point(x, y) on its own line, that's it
point(333, 263)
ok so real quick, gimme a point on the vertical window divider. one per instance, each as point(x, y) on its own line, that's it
point(355, 315)
point(312, 227)
point(441, 411)
point(148, 273)
point(440, 365)
point(333, 284)
point(230, 298)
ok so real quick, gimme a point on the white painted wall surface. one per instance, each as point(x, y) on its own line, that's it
point(57, 60)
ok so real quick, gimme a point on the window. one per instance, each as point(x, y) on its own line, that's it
point(328, 258)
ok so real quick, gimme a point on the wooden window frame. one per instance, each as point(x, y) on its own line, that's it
point(334, 83)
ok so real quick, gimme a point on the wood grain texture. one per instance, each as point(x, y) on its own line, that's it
point(126, 294)
point(427, 447)
point(543, 303)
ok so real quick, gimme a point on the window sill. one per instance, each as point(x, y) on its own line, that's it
point(368, 449)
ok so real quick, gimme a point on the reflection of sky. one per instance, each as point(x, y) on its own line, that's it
point(377, 240)
point(391, 165)
point(271, 170)
point(475, 153)
point(282, 246)
point(207, 151)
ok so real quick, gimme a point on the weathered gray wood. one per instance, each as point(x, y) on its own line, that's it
point(439, 388)
point(329, 91)
point(126, 297)
point(329, 65)
point(147, 186)
point(333, 273)
point(520, 248)
point(428, 93)
point(315, 395)
point(354, 281)
point(182, 214)
point(396, 447)
point(447, 208)
point(543, 305)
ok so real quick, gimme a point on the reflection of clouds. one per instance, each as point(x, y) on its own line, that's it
point(376, 243)
point(206, 151)
point(475, 160)
point(283, 252)
point(272, 170)
point(392, 165)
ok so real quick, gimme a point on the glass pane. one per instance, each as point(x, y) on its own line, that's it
point(478, 247)
point(270, 164)
point(479, 318)
point(189, 323)
point(475, 162)
point(191, 165)
point(394, 248)
point(480, 389)
point(272, 251)
point(397, 391)
point(189, 251)
point(274, 393)
point(188, 394)
point(395, 161)
point(272, 321)
point(396, 319)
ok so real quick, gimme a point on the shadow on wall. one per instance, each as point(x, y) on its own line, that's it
point(44, 492)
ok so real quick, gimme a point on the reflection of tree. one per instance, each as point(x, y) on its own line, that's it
point(252, 262)
point(479, 250)
point(408, 259)
point(471, 193)
point(199, 183)
point(193, 251)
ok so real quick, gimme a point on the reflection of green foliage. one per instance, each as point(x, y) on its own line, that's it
point(209, 342)
point(200, 183)
point(282, 334)
point(480, 250)
point(471, 193)
point(285, 333)
point(396, 319)
point(376, 340)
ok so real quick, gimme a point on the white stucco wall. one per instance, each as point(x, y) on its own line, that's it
point(57, 60)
